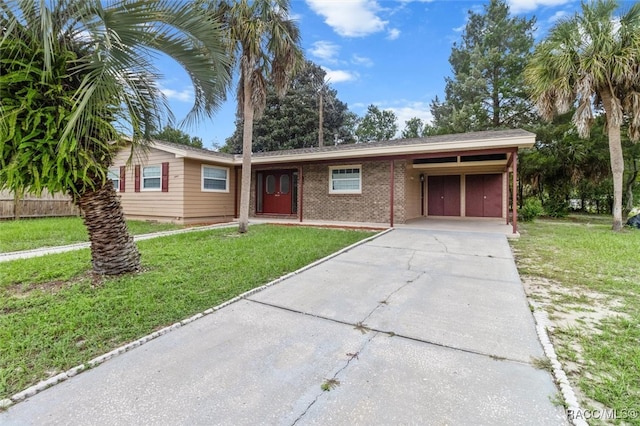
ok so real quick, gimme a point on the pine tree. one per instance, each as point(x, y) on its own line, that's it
point(487, 89)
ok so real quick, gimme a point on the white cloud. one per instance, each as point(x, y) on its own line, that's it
point(184, 95)
point(561, 14)
point(325, 50)
point(339, 76)
point(410, 109)
point(350, 18)
point(521, 6)
point(361, 60)
point(393, 34)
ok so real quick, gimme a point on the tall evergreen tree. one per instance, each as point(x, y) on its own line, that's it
point(292, 121)
point(377, 125)
point(487, 89)
point(171, 134)
point(413, 128)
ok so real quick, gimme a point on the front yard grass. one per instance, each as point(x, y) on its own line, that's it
point(587, 278)
point(55, 315)
point(27, 234)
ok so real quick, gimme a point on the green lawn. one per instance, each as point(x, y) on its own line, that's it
point(587, 278)
point(26, 234)
point(54, 315)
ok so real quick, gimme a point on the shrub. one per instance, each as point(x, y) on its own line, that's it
point(556, 208)
point(531, 209)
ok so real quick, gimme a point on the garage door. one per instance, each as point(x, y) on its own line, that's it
point(483, 195)
point(444, 195)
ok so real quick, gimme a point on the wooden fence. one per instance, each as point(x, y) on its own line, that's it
point(29, 206)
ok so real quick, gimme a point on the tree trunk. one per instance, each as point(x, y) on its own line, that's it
point(113, 251)
point(496, 99)
point(247, 136)
point(617, 161)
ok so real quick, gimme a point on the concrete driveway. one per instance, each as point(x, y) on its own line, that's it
point(414, 327)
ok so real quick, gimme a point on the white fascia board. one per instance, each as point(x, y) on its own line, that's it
point(390, 150)
point(185, 153)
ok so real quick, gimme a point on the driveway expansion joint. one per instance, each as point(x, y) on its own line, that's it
point(361, 325)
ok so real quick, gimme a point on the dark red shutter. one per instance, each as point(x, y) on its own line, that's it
point(137, 175)
point(165, 177)
point(123, 173)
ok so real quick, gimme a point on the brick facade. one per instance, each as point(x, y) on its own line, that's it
point(372, 205)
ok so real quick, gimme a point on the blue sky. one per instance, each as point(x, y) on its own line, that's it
point(392, 53)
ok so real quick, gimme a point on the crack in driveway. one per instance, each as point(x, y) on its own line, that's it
point(335, 376)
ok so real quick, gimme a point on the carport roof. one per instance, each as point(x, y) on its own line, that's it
point(472, 141)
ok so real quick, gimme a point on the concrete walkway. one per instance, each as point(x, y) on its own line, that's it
point(414, 327)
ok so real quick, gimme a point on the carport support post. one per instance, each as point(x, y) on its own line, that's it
point(514, 192)
point(300, 186)
point(392, 185)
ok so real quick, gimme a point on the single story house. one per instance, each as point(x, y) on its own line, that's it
point(470, 175)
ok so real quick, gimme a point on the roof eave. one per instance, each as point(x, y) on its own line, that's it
point(394, 150)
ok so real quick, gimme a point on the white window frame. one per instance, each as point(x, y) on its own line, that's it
point(116, 182)
point(202, 178)
point(345, 191)
point(143, 180)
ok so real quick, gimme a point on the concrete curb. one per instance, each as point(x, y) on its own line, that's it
point(542, 326)
point(52, 381)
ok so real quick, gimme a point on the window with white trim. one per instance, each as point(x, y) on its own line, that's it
point(215, 179)
point(114, 176)
point(152, 178)
point(345, 180)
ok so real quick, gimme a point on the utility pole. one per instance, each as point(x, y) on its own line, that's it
point(320, 117)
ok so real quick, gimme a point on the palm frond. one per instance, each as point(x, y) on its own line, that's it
point(100, 59)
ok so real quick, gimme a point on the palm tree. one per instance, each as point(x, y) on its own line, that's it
point(593, 59)
point(75, 75)
point(265, 42)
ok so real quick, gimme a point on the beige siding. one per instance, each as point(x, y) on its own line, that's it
point(153, 205)
point(206, 205)
point(413, 196)
point(505, 195)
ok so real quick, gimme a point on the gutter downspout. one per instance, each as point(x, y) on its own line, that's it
point(300, 191)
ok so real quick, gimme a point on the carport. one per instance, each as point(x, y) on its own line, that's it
point(469, 175)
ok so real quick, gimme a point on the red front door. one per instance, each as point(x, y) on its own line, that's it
point(276, 192)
